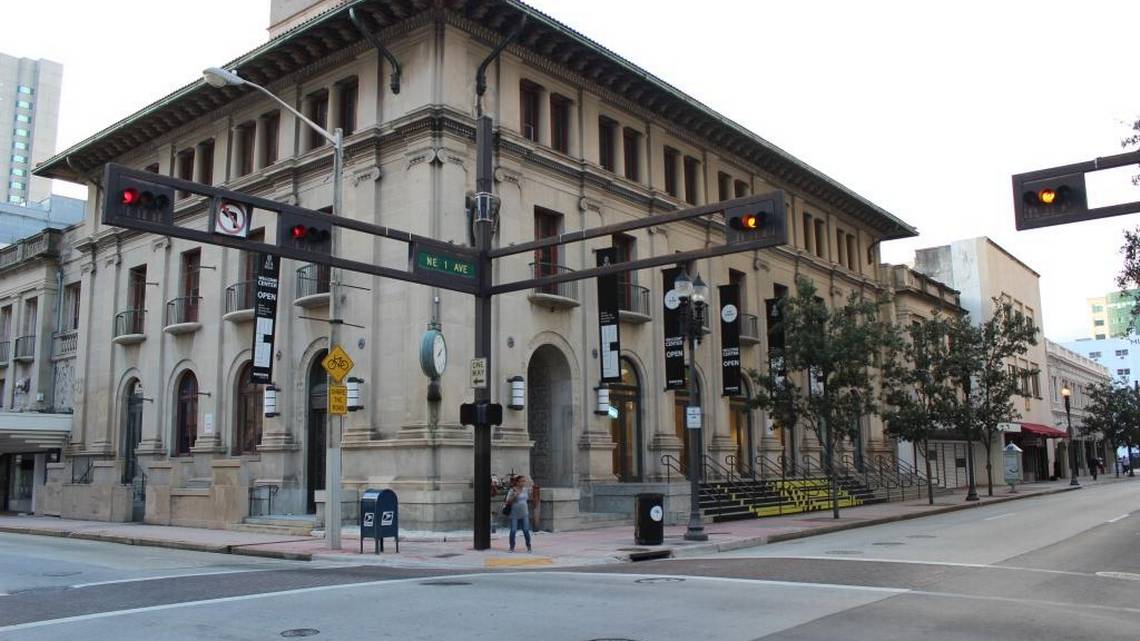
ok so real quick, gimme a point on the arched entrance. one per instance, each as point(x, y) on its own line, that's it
point(740, 423)
point(315, 441)
point(550, 417)
point(625, 423)
point(131, 428)
point(185, 413)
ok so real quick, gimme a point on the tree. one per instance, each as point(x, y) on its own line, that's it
point(1129, 277)
point(980, 367)
point(834, 349)
point(1111, 412)
point(919, 391)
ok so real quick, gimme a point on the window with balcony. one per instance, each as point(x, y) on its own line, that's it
point(529, 95)
point(671, 157)
point(129, 323)
point(547, 262)
point(631, 146)
point(71, 306)
point(606, 142)
point(239, 296)
point(317, 110)
point(560, 123)
point(25, 348)
point(346, 118)
point(633, 299)
point(5, 337)
point(184, 309)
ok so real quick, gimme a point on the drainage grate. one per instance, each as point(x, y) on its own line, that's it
point(633, 549)
point(660, 579)
point(300, 632)
point(650, 555)
point(446, 582)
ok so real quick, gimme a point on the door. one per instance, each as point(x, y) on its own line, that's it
point(315, 433)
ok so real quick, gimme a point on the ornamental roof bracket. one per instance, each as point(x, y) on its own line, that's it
point(372, 38)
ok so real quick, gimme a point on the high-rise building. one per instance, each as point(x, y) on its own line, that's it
point(29, 113)
point(1110, 316)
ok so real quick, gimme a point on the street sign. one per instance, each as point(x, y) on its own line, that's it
point(338, 364)
point(338, 400)
point(431, 259)
point(231, 218)
point(693, 417)
point(478, 373)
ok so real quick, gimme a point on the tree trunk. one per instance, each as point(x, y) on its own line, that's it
point(929, 481)
point(989, 443)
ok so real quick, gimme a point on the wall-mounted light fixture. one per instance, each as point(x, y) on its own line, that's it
point(603, 406)
point(269, 400)
point(518, 392)
point(354, 401)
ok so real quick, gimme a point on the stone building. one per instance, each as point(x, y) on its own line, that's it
point(1076, 372)
point(583, 138)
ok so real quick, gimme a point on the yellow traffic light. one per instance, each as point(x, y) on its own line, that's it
point(1046, 196)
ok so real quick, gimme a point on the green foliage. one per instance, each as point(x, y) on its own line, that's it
point(1113, 411)
point(918, 388)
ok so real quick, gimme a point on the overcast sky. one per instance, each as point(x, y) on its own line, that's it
point(926, 109)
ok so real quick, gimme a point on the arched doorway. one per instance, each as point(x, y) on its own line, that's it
point(247, 412)
point(740, 424)
point(680, 402)
point(185, 413)
point(625, 423)
point(132, 406)
point(550, 417)
point(315, 441)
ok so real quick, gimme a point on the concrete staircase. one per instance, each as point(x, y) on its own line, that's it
point(283, 524)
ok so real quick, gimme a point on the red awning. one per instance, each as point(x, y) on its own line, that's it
point(1042, 430)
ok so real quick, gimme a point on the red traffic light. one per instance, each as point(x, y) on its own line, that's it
point(130, 196)
point(299, 232)
point(303, 233)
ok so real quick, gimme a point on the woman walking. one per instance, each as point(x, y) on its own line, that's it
point(516, 509)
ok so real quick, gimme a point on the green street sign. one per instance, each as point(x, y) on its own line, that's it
point(433, 260)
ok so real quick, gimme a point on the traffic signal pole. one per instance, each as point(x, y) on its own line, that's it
point(334, 424)
point(484, 226)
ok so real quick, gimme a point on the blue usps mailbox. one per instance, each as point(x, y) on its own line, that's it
point(379, 518)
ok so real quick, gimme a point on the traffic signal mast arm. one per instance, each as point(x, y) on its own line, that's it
point(1057, 196)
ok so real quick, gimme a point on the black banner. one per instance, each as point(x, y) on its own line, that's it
point(265, 316)
point(609, 335)
point(674, 336)
point(730, 339)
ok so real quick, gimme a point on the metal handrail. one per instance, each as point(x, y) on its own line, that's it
point(743, 470)
point(131, 321)
point(64, 343)
point(673, 463)
point(25, 347)
point(710, 462)
point(239, 296)
point(5, 349)
point(262, 496)
point(750, 326)
point(183, 309)
point(313, 280)
point(633, 298)
point(565, 290)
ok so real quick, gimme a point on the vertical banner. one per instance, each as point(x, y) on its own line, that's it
point(265, 316)
point(609, 336)
point(674, 337)
point(730, 339)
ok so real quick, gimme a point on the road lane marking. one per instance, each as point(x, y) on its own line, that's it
point(167, 576)
point(1122, 516)
point(1000, 516)
point(952, 564)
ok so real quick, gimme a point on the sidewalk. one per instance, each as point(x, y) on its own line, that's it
point(452, 550)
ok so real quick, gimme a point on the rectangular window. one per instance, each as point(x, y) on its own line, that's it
point(6, 323)
point(15, 184)
point(1098, 323)
point(71, 306)
point(841, 247)
point(271, 123)
point(560, 123)
point(244, 141)
point(31, 311)
point(1099, 337)
point(23, 104)
point(191, 266)
point(136, 290)
point(528, 109)
point(606, 128)
point(317, 110)
point(1097, 308)
point(21, 132)
point(1123, 372)
point(740, 189)
point(1094, 354)
point(1035, 381)
point(19, 145)
point(809, 231)
point(24, 90)
point(19, 158)
point(671, 156)
point(347, 116)
point(820, 238)
point(723, 186)
point(19, 172)
point(184, 164)
point(15, 200)
point(631, 142)
point(206, 154)
point(23, 118)
point(1122, 352)
point(546, 224)
point(852, 252)
point(692, 172)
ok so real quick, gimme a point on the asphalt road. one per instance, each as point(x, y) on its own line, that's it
point(1059, 567)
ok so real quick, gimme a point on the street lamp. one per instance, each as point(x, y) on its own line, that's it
point(1066, 393)
point(217, 77)
point(693, 297)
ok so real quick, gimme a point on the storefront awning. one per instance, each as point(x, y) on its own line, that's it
point(1042, 430)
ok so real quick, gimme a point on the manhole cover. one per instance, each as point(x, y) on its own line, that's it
point(660, 579)
point(447, 555)
point(888, 543)
point(921, 536)
point(446, 582)
point(300, 632)
point(1127, 576)
point(633, 549)
point(844, 552)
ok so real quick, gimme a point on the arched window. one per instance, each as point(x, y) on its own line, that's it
point(132, 427)
point(185, 413)
point(625, 423)
point(247, 412)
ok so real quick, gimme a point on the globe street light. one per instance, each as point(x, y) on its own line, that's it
point(693, 295)
point(1066, 393)
point(218, 77)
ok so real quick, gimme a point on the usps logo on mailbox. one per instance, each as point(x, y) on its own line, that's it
point(386, 518)
point(369, 519)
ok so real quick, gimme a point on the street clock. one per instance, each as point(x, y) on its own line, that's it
point(433, 353)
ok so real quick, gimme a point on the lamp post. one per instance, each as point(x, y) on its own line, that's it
point(693, 296)
point(1066, 393)
point(217, 77)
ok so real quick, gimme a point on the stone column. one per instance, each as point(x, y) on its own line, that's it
point(544, 117)
point(619, 149)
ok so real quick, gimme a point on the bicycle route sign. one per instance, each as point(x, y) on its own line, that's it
point(337, 364)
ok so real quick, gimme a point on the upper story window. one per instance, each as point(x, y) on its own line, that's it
point(723, 186)
point(16, 200)
point(317, 110)
point(19, 158)
point(152, 168)
point(6, 323)
point(740, 189)
point(1099, 337)
point(206, 162)
point(1123, 372)
point(631, 145)
point(184, 168)
point(346, 106)
point(671, 158)
point(529, 94)
point(244, 139)
point(1122, 352)
point(71, 307)
point(271, 128)
point(23, 118)
point(809, 233)
point(19, 172)
point(28, 322)
point(841, 247)
point(23, 104)
point(1097, 308)
point(546, 224)
point(191, 273)
point(21, 132)
point(852, 251)
point(820, 238)
point(19, 145)
point(560, 123)
point(136, 288)
point(15, 184)
point(606, 142)
point(1098, 322)
point(1094, 354)
point(25, 90)
point(692, 175)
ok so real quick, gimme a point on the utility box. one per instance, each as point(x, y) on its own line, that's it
point(379, 518)
point(649, 521)
point(1011, 465)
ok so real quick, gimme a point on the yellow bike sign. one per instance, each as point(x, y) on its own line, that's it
point(337, 364)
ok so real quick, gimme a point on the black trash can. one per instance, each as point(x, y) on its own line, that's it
point(649, 520)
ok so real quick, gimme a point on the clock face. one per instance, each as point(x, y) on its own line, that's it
point(439, 354)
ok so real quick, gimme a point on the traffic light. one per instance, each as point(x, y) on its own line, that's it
point(129, 197)
point(308, 233)
point(1052, 200)
point(753, 222)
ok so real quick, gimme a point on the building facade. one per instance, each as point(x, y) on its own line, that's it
point(984, 272)
point(1110, 316)
point(21, 221)
point(29, 113)
point(1076, 372)
point(583, 138)
point(1120, 356)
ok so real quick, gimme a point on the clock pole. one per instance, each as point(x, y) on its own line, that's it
point(483, 229)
